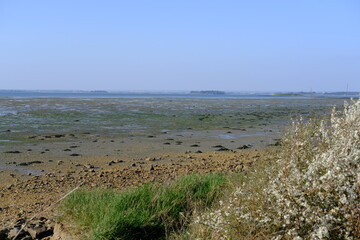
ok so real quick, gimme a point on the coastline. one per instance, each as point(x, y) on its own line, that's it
point(52, 145)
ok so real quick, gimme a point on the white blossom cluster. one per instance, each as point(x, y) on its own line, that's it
point(316, 193)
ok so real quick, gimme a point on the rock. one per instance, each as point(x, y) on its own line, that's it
point(14, 232)
point(61, 233)
point(23, 164)
point(59, 135)
point(89, 166)
point(39, 232)
point(27, 238)
point(67, 150)
point(111, 163)
point(245, 146)
point(12, 152)
point(4, 234)
point(75, 155)
point(239, 168)
point(223, 149)
point(194, 145)
point(218, 146)
point(29, 163)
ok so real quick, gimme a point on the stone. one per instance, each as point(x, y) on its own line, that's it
point(223, 149)
point(218, 146)
point(14, 232)
point(59, 135)
point(111, 163)
point(75, 155)
point(4, 234)
point(39, 232)
point(12, 152)
point(27, 238)
point(89, 166)
point(245, 146)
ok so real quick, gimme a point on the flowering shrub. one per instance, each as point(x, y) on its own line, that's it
point(314, 194)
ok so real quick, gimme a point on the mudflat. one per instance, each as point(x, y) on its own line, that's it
point(48, 146)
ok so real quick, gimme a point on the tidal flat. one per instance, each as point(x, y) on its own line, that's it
point(49, 145)
point(71, 129)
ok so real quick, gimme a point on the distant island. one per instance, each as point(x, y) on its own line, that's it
point(99, 91)
point(207, 92)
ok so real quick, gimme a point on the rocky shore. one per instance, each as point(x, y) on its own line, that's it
point(36, 196)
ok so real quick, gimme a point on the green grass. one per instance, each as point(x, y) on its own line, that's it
point(151, 211)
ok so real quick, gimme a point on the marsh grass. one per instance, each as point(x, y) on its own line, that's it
point(151, 211)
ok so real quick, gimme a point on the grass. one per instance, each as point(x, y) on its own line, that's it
point(151, 211)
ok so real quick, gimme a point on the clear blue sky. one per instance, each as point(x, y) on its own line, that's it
point(155, 45)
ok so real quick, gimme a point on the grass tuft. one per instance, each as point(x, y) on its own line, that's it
point(151, 211)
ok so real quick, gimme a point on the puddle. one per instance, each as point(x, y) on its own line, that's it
point(235, 136)
point(226, 136)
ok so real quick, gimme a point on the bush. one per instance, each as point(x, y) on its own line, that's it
point(315, 193)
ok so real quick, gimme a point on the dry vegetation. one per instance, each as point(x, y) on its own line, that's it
point(312, 192)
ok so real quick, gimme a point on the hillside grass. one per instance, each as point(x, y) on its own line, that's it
point(151, 211)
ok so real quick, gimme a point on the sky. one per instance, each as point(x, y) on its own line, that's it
point(180, 45)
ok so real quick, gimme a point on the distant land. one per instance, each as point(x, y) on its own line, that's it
point(205, 93)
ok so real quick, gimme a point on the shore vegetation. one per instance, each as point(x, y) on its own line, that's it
point(310, 190)
point(151, 211)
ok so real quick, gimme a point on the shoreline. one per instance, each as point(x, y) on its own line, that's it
point(33, 194)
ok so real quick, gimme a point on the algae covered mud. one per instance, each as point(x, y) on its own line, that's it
point(38, 135)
